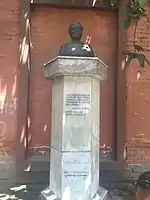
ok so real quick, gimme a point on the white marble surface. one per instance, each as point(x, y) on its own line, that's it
point(75, 137)
point(74, 166)
point(63, 65)
point(56, 172)
point(76, 175)
point(95, 134)
point(57, 113)
point(77, 122)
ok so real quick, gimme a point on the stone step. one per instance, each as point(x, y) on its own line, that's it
point(33, 177)
point(4, 185)
point(37, 163)
point(24, 192)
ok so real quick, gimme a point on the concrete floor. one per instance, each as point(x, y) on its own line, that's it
point(30, 192)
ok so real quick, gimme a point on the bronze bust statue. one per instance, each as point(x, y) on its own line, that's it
point(76, 47)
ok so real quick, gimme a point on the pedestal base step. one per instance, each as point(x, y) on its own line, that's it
point(48, 194)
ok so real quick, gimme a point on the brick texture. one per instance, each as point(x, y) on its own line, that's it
point(9, 62)
point(9, 45)
point(138, 97)
point(49, 31)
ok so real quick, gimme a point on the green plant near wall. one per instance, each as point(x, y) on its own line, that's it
point(135, 11)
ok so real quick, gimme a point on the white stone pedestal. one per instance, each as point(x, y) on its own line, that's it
point(74, 157)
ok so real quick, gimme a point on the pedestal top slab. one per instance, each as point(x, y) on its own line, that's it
point(70, 66)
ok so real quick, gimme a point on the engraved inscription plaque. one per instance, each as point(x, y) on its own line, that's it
point(77, 104)
point(76, 172)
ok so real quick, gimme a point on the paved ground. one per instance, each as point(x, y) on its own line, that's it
point(30, 192)
point(22, 192)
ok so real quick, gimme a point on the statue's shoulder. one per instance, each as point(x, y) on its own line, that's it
point(64, 49)
point(65, 45)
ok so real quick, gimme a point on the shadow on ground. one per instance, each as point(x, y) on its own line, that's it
point(22, 192)
point(31, 192)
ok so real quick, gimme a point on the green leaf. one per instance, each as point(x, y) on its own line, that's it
point(113, 2)
point(138, 47)
point(142, 10)
point(127, 63)
point(131, 56)
point(142, 59)
point(142, 3)
point(127, 22)
point(125, 53)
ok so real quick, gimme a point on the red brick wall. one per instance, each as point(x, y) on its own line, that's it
point(49, 30)
point(9, 57)
point(138, 80)
point(138, 98)
point(9, 62)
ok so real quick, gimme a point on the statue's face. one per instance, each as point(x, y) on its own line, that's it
point(75, 31)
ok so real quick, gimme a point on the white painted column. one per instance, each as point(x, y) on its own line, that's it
point(74, 158)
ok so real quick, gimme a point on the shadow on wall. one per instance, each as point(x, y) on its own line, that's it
point(8, 77)
point(8, 108)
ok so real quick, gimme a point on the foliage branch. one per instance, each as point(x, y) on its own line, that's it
point(135, 11)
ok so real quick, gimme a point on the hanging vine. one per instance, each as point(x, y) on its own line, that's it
point(135, 11)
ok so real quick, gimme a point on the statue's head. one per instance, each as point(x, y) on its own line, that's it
point(75, 31)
